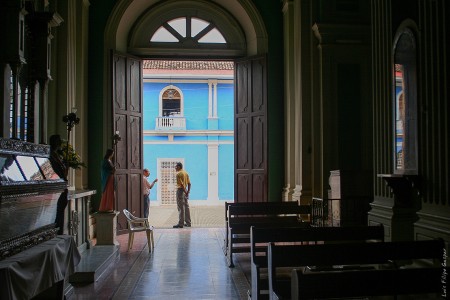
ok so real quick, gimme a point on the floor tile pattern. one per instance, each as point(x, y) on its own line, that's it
point(186, 263)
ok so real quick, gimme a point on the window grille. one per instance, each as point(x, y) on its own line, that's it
point(167, 180)
point(11, 106)
point(188, 28)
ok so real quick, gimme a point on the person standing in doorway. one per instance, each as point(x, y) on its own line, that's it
point(147, 186)
point(183, 190)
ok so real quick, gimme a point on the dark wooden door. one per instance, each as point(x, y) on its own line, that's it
point(250, 146)
point(127, 119)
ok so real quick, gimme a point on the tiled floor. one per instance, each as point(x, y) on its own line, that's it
point(202, 216)
point(186, 263)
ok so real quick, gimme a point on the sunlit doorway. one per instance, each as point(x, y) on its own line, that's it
point(188, 108)
point(131, 34)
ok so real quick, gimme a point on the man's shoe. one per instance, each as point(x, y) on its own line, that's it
point(177, 226)
point(187, 225)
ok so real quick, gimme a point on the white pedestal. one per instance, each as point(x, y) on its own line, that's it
point(106, 225)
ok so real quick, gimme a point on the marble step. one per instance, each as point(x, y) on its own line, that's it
point(94, 262)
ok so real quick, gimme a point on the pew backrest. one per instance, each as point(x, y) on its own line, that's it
point(261, 236)
point(292, 234)
point(267, 210)
point(368, 283)
point(324, 255)
point(240, 217)
point(265, 206)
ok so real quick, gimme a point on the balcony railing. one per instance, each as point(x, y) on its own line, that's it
point(170, 123)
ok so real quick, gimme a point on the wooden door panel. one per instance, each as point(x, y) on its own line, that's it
point(135, 141)
point(127, 116)
point(241, 88)
point(135, 86)
point(258, 99)
point(242, 136)
point(242, 187)
point(258, 187)
point(250, 130)
point(121, 196)
point(258, 139)
point(121, 150)
point(136, 195)
point(119, 84)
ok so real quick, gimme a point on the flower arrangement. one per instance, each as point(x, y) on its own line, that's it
point(70, 157)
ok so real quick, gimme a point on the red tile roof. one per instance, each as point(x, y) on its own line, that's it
point(187, 65)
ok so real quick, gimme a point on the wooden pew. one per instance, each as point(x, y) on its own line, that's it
point(354, 269)
point(260, 238)
point(241, 218)
point(252, 204)
point(366, 283)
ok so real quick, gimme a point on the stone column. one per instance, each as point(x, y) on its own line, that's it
point(289, 102)
point(213, 171)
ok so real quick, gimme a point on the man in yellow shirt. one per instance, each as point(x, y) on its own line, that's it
point(183, 190)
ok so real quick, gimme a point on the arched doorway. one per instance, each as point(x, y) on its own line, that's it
point(129, 32)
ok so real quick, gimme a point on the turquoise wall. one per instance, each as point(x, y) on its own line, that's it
point(195, 156)
point(225, 108)
point(195, 163)
point(195, 102)
point(226, 172)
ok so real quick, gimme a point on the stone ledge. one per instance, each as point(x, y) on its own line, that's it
point(94, 262)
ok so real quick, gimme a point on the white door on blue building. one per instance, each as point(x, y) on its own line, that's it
point(167, 180)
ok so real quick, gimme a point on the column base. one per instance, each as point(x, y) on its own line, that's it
point(106, 227)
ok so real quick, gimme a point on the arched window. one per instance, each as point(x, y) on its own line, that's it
point(405, 102)
point(197, 29)
point(171, 109)
point(171, 103)
point(187, 29)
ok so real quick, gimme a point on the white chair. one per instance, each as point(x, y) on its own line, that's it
point(136, 224)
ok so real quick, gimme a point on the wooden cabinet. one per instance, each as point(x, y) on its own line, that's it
point(76, 220)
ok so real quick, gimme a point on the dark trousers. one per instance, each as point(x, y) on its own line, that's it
point(146, 205)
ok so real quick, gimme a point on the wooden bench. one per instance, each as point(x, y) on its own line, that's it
point(260, 238)
point(365, 283)
point(353, 269)
point(241, 218)
point(253, 204)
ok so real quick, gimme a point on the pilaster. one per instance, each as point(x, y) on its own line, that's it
point(290, 99)
point(213, 171)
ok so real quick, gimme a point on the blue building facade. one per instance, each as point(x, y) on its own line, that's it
point(188, 118)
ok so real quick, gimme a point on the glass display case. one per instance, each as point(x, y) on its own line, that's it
point(25, 169)
point(29, 193)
